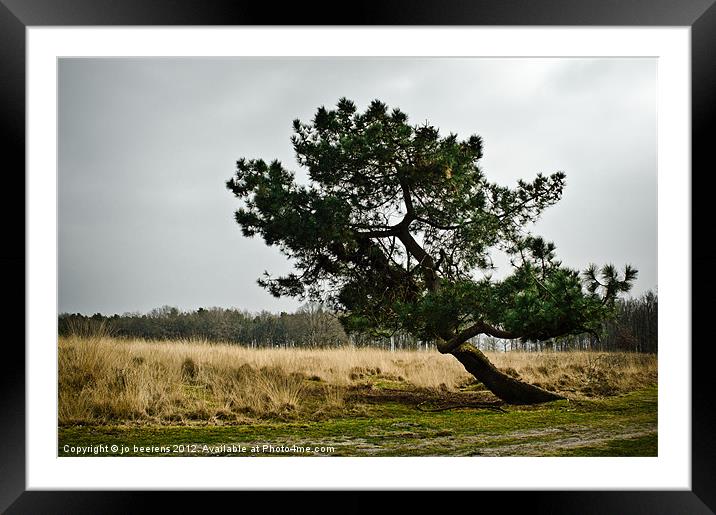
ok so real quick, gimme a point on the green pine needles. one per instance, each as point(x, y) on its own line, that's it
point(396, 228)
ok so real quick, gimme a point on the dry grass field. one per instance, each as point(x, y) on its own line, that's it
point(122, 397)
point(104, 380)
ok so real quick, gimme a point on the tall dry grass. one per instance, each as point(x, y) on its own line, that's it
point(104, 379)
point(581, 373)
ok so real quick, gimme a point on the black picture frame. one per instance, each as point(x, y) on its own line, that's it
point(17, 15)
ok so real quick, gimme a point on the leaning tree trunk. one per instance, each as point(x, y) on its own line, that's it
point(503, 386)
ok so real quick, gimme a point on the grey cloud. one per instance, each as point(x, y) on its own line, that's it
point(145, 146)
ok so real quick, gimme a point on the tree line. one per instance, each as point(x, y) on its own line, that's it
point(311, 325)
point(633, 329)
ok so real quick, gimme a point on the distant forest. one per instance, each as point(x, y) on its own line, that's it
point(634, 329)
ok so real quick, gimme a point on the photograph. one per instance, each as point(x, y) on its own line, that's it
point(357, 257)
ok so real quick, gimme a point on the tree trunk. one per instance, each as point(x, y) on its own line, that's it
point(503, 386)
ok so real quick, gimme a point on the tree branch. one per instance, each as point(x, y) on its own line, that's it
point(381, 233)
point(481, 328)
point(407, 199)
point(425, 260)
point(440, 226)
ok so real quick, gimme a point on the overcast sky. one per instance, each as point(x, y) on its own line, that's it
point(146, 145)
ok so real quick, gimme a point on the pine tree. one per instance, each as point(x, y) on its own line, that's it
point(395, 232)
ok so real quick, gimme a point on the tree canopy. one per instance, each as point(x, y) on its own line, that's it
point(396, 228)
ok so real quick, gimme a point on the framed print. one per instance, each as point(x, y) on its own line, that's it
point(418, 333)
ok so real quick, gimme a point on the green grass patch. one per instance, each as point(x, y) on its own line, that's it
point(615, 426)
point(646, 445)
